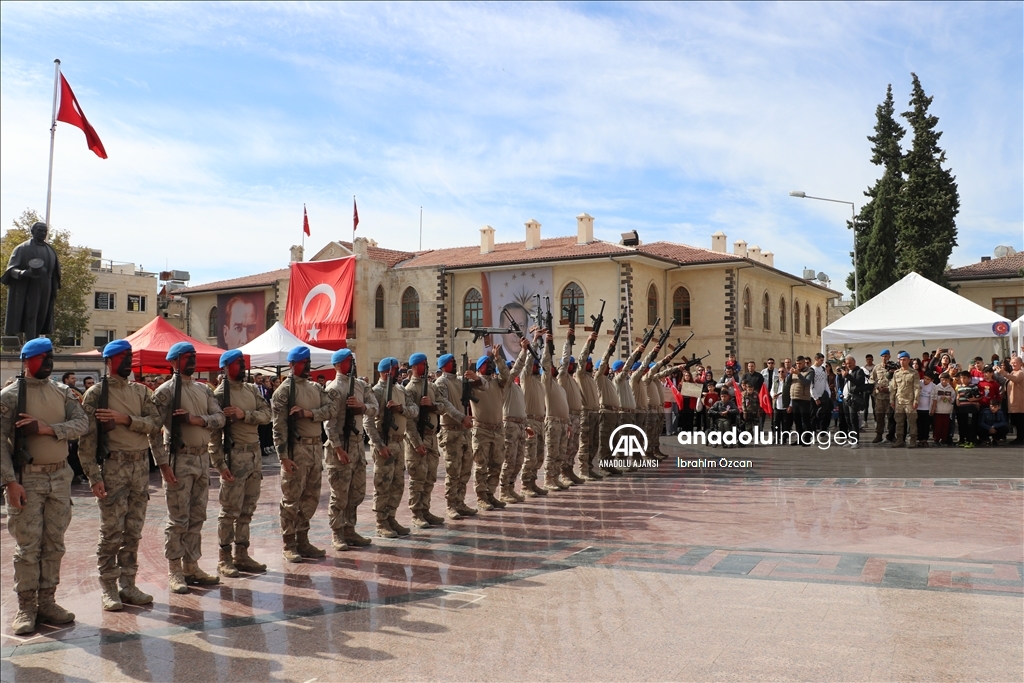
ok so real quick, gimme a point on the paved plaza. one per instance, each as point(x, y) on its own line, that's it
point(901, 565)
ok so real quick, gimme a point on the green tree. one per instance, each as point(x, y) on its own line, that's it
point(71, 312)
point(929, 201)
point(875, 229)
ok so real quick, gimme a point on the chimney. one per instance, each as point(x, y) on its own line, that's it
point(718, 242)
point(296, 253)
point(532, 234)
point(584, 228)
point(739, 247)
point(769, 258)
point(486, 239)
point(986, 258)
point(359, 247)
point(755, 254)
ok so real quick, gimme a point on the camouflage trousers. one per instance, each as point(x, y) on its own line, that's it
point(906, 420)
point(556, 439)
point(589, 439)
point(300, 490)
point(238, 498)
point(489, 455)
point(456, 444)
point(388, 480)
point(186, 507)
point(422, 472)
point(515, 450)
point(572, 446)
point(122, 516)
point(38, 529)
point(609, 420)
point(534, 455)
point(881, 411)
point(348, 489)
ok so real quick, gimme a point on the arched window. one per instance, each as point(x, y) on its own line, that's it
point(782, 314)
point(796, 316)
point(766, 311)
point(410, 308)
point(378, 308)
point(652, 304)
point(572, 294)
point(473, 309)
point(807, 319)
point(271, 313)
point(818, 321)
point(681, 306)
point(211, 323)
point(746, 307)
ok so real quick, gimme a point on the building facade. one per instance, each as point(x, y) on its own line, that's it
point(996, 283)
point(123, 299)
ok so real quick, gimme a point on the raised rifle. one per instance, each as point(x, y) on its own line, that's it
point(680, 346)
point(550, 327)
point(514, 326)
point(619, 324)
point(649, 335)
point(292, 419)
point(228, 443)
point(350, 418)
point(102, 444)
point(694, 360)
point(478, 332)
point(538, 316)
point(666, 333)
point(598, 319)
point(175, 421)
point(21, 456)
point(423, 418)
point(571, 312)
point(387, 424)
point(468, 399)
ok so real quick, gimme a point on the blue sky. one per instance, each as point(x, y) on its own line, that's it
point(676, 120)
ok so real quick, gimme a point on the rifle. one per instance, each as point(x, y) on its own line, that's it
point(694, 360)
point(666, 333)
point(21, 455)
point(468, 399)
point(571, 311)
point(619, 324)
point(229, 440)
point(648, 336)
point(478, 332)
point(102, 445)
point(175, 421)
point(598, 319)
point(388, 421)
point(423, 418)
point(350, 418)
point(292, 420)
point(514, 326)
point(538, 317)
point(549, 326)
point(681, 345)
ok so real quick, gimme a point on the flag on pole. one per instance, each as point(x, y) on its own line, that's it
point(355, 215)
point(305, 220)
point(71, 112)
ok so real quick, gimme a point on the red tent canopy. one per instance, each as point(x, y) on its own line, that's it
point(151, 343)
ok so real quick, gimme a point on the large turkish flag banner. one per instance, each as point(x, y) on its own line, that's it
point(320, 301)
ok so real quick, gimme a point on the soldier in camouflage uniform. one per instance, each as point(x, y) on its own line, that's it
point(454, 441)
point(514, 429)
point(302, 456)
point(185, 467)
point(344, 455)
point(241, 470)
point(121, 483)
point(590, 416)
point(423, 466)
point(39, 499)
point(488, 437)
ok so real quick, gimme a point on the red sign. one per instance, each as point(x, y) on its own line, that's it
point(320, 301)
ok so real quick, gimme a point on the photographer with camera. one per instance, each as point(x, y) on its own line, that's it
point(881, 376)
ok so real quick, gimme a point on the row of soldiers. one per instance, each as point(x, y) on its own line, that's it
point(519, 419)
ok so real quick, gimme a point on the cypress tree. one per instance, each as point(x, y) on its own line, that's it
point(929, 201)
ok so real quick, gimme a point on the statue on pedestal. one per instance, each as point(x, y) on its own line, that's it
point(32, 278)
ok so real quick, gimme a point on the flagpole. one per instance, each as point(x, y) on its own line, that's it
point(53, 133)
point(421, 228)
point(304, 219)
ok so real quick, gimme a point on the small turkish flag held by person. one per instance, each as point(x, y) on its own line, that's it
point(71, 112)
point(320, 301)
point(766, 400)
point(305, 221)
point(355, 215)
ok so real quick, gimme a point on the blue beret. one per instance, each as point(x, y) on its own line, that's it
point(482, 361)
point(509, 363)
point(636, 366)
point(572, 359)
point(903, 354)
point(298, 353)
point(598, 364)
point(651, 365)
point(229, 357)
point(115, 347)
point(178, 349)
point(386, 364)
point(444, 360)
point(36, 347)
point(617, 365)
point(417, 358)
point(340, 355)
point(885, 352)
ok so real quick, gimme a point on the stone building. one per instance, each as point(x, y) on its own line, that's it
point(122, 300)
point(997, 283)
point(734, 302)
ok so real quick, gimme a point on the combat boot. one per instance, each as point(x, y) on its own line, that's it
point(225, 566)
point(197, 577)
point(552, 484)
point(307, 549)
point(419, 521)
point(507, 497)
point(354, 539)
point(130, 593)
point(466, 511)
point(497, 504)
point(432, 518)
point(176, 577)
point(338, 540)
point(291, 552)
point(384, 529)
point(244, 563)
point(591, 475)
point(532, 486)
point(396, 527)
point(452, 513)
point(568, 474)
point(50, 612)
point(484, 504)
point(25, 620)
point(519, 498)
point(109, 597)
point(614, 472)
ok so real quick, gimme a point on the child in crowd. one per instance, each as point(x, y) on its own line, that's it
point(988, 387)
point(967, 400)
point(941, 410)
point(993, 426)
point(924, 410)
point(723, 413)
point(751, 408)
point(709, 399)
point(976, 370)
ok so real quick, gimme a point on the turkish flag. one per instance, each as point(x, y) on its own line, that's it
point(320, 301)
point(305, 221)
point(765, 399)
point(71, 112)
point(676, 395)
point(355, 215)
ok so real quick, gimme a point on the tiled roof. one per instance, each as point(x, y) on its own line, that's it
point(258, 280)
point(554, 249)
point(683, 253)
point(392, 257)
point(1007, 266)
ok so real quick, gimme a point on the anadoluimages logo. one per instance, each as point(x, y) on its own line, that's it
point(628, 445)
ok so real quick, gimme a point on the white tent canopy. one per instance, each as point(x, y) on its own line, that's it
point(271, 348)
point(916, 309)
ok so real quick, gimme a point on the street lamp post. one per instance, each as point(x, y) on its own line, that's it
point(853, 225)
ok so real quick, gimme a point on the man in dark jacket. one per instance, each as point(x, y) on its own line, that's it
point(855, 390)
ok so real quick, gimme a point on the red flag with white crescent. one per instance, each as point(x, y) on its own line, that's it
point(765, 399)
point(320, 301)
